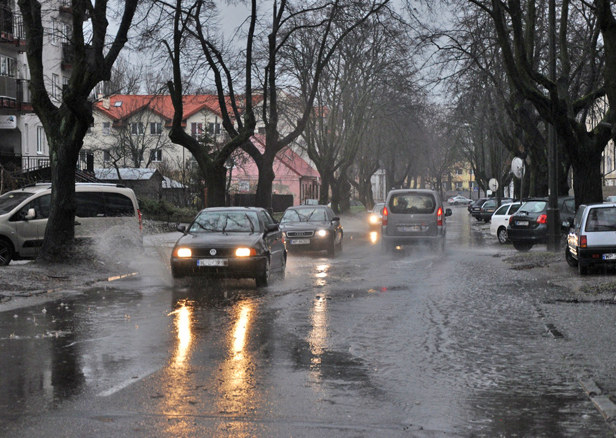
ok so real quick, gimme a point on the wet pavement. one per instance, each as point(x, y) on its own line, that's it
point(413, 344)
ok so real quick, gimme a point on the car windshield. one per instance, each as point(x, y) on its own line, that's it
point(601, 219)
point(225, 222)
point(304, 215)
point(412, 203)
point(10, 200)
point(533, 206)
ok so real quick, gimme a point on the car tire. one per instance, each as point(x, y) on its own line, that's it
point(522, 246)
point(502, 235)
point(6, 252)
point(478, 218)
point(263, 279)
point(569, 258)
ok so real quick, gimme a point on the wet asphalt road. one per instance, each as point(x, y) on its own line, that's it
point(361, 345)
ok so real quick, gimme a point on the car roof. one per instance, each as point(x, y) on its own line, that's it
point(234, 208)
point(297, 207)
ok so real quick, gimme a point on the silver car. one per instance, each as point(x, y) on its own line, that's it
point(413, 216)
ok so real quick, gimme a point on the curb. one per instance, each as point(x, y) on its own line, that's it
point(602, 402)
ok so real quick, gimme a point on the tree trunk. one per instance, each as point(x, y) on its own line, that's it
point(587, 178)
point(216, 180)
point(266, 180)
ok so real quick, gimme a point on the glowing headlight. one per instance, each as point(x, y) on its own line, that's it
point(184, 252)
point(322, 233)
point(244, 252)
point(373, 219)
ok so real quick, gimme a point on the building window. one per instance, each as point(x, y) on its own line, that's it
point(156, 128)
point(54, 32)
point(55, 86)
point(8, 66)
point(458, 185)
point(66, 33)
point(214, 128)
point(40, 139)
point(136, 128)
point(156, 156)
point(106, 128)
point(196, 129)
point(106, 156)
point(458, 171)
point(64, 83)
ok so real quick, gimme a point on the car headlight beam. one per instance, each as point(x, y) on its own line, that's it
point(245, 252)
point(184, 252)
point(322, 233)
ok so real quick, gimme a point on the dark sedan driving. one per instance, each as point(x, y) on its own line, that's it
point(312, 228)
point(234, 242)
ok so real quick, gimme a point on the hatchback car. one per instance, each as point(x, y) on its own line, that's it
point(489, 207)
point(230, 242)
point(312, 228)
point(592, 237)
point(500, 220)
point(475, 208)
point(413, 216)
point(529, 225)
point(375, 216)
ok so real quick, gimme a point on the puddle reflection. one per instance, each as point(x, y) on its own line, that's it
point(317, 339)
point(183, 328)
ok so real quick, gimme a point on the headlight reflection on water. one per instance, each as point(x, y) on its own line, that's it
point(374, 236)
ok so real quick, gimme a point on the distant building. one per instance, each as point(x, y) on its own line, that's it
point(146, 183)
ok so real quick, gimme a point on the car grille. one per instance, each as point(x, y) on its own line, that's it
point(220, 252)
point(300, 233)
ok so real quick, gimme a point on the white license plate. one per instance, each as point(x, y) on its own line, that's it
point(411, 228)
point(212, 262)
point(300, 241)
point(609, 256)
point(522, 223)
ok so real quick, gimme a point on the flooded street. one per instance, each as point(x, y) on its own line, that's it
point(365, 344)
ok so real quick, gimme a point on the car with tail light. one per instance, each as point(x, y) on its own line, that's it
point(489, 207)
point(230, 242)
point(529, 225)
point(592, 237)
point(312, 228)
point(412, 216)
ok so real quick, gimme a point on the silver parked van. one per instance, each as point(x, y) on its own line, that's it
point(101, 208)
point(413, 216)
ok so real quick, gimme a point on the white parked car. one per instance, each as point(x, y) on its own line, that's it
point(459, 199)
point(500, 220)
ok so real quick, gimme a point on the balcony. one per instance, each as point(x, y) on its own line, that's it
point(12, 32)
point(8, 92)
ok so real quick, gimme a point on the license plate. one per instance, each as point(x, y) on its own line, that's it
point(411, 228)
point(609, 256)
point(522, 223)
point(300, 241)
point(212, 262)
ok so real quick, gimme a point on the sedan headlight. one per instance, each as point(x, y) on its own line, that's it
point(374, 219)
point(183, 252)
point(245, 252)
point(322, 233)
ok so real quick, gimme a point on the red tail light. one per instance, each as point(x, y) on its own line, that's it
point(140, 221)
point(510, 219)
point(439, 217)
point(384, 219)
point(583, 241)
point(543, 219)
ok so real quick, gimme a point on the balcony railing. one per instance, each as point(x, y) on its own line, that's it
point(6, 23)
point(8, 87)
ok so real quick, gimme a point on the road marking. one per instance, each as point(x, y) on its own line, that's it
point(126, 383)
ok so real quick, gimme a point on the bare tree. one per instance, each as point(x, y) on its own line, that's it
point(93, 57)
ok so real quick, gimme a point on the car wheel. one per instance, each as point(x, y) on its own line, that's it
point(569, 257)
point(502, 235)
point(478, 218)
point(6, 252)
point(522, 246)
point(582, 269)
point(263, 279)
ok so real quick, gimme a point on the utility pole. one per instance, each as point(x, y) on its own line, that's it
point(553, 213)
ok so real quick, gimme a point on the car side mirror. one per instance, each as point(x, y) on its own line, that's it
point(448, 212)
point(270, 228)
point(336, 219)
point(182, 228)
point(30, 215)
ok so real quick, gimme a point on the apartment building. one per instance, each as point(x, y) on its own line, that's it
point(23, 143)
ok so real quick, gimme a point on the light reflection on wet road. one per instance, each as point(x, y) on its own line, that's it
point(364, 344)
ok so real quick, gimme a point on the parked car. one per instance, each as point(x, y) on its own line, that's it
point(102, 209)
point(610, 199)
point(489, 207)
point(475, 207)
point(413, 216)
point(357, 206)
point(375, 216)
point(459, 199)
point(592, 237)
point(230, 242)
point(500, 220)
point(310, 202)
point(528, 226)
point(312, 228)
